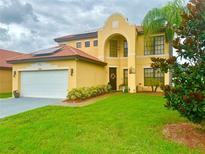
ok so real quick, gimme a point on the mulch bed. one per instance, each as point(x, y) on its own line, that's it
point(189, 134)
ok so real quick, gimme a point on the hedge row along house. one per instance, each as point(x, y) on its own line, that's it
point(6, 70)
point(117, 53)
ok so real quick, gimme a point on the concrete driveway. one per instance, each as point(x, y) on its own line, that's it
point(14, 106)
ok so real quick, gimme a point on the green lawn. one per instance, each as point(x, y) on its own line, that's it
point(5, 95)
point(120, 124)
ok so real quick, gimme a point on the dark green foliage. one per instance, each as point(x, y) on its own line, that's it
point(187, 94)
point(87, 92)
point(165, 18)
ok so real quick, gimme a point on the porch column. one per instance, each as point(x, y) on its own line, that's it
point(132, 63)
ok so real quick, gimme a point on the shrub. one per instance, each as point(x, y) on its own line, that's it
point(87, 92)
point(154, 84)
point(187, 92)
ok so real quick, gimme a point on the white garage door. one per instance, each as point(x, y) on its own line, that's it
point(44, 84)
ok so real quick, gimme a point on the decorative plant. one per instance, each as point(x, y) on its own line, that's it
point(87, 92)
point(16, 94)
point(109, 87)
point(154, 83)
point(187, 92)
point(124, 88)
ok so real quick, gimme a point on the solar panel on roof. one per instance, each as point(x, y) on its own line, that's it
point(45, 52)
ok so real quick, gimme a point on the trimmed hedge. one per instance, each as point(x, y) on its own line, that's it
point(87, 92)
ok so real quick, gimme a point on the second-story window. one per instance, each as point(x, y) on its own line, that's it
point(125, 49)
point(95, 43)
point(78, 45)
point(113, 48)
point(87, 44)
point(154, 45)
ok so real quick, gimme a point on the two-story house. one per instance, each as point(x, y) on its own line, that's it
point(117, 53)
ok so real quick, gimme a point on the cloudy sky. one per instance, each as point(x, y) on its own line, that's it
point(29, 25)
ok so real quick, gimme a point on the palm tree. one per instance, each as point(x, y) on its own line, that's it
point(167, 18)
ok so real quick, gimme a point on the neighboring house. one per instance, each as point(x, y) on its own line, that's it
point(6, 70)
point(116, 53)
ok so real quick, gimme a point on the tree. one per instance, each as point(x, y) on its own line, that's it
point(167, 18)
point(187, 93)
point(154, 84)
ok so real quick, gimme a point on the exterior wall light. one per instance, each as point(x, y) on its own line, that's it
point(14, 74)
point(131, 70)
point(71, 71)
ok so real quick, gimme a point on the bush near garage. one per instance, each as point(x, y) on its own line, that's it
point(87, 92)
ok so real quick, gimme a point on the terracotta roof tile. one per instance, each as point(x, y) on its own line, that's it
point(65, 52)
point(4, 55)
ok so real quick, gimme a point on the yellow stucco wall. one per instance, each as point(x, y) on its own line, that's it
point(92, 50)
point(5, 81)
point(89, 74)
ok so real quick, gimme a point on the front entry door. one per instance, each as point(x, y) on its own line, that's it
point(113, 78)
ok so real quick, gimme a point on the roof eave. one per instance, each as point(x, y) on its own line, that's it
point(56, 58)
point(77, 37)
point(92, 61)
point(59, 40)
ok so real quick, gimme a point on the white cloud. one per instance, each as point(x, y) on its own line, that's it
point(29, 25)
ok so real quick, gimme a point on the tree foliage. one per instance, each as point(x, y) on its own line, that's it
point(166, 17)
point(187, 92)
point(154, 84)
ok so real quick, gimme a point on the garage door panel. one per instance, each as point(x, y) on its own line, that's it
point(47, 84)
